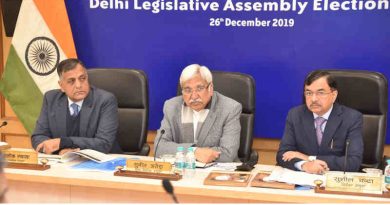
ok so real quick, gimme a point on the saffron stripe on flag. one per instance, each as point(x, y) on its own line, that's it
point(56, 18)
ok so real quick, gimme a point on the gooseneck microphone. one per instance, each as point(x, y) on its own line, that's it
point(4, 123)
point(158, 142)
point(346, 155)
point(169, 189)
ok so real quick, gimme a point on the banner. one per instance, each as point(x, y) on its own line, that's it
point(278, 42)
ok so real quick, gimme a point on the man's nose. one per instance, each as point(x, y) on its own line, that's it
point(194, 95)
point(78, 84)
point(314, 97)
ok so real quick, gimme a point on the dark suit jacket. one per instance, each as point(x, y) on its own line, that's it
point(98, 121)
point(343, 124)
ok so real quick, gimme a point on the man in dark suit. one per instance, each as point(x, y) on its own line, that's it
point(317, 134)
point(77, 116)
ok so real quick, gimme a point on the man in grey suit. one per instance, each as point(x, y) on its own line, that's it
point(200, 118)
point(77, 116)
point(317, 134)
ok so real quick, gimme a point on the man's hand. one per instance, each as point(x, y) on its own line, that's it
point(287, 156)
point(206, 155)
point(49, 146)
point(66, 150)
point(315, 167)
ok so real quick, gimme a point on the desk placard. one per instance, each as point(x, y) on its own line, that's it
point(354, 182)
point(39, 167)
point(148, 166)
point(4, 146)
point(148, 175)
point(259, 182)
point(19, 155)
point(238, 179)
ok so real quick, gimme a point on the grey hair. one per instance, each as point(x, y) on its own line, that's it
point(195, 69)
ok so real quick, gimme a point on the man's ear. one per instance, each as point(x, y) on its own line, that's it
point(211, 89)
point(60, 84)
point(335, 95)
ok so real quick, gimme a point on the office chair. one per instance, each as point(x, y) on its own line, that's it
point(130, 87)
point(240, 87)
point(366, 91)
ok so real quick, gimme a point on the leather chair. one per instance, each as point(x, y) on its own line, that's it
point(240, 87)
point(130, 87)
point(366, 91)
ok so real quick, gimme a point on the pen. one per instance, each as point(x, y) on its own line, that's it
point(331, 144)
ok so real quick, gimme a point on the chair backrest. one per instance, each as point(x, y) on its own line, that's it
point(366, 91)
point(240, 87)
point(130, 87)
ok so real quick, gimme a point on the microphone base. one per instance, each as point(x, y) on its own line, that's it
point(148, 175)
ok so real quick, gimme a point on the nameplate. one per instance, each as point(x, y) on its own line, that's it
point(18, 155)
point(354, 182)
point(148, 166)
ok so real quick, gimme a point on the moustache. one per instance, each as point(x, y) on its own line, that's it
point(195, 101)
point(315, 104)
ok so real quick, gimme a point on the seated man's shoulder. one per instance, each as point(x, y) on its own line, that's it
point(350, 112)
point(175, 101)
point(53, 93)
point(226, 101)
point(102, 94)
point(298, 109)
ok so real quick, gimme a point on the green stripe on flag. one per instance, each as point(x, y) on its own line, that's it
point(20, 90)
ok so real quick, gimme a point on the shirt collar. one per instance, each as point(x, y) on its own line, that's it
point(79, 103)
point(326, 115)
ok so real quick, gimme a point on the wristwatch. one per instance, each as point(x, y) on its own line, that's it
point(312, 158)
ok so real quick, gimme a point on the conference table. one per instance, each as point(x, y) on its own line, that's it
point(61, 184)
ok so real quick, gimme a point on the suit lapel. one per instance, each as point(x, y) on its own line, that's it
point(308, 124)
point(85, 112)
point(60, 112)
point(179, 122)
point(209, 122)
point(332, 124)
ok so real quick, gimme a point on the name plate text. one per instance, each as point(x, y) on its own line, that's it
point(354, 182)
point(24, 156)
point(148, 166)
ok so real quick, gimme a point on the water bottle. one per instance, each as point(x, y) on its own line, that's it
point(190, 163)
point(387, 172)
point(180, 161)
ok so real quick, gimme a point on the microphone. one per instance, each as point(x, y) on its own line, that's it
point(169, 189)
point(4, 123)
point(346, 155)
point(158, 142)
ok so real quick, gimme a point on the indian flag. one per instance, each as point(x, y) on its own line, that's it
point(42, 38)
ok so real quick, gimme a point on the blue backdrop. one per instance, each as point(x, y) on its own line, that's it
point(278, 58)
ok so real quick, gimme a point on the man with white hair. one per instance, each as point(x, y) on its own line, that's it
point(201, 118)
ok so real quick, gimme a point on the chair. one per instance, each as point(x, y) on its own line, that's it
point(366, 91)
point(130, 87)
point(240, 87)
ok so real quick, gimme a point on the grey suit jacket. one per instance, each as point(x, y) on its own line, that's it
point(98, 121)
point(220, 131)
point(344, 124)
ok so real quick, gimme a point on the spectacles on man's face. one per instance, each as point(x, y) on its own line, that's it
point(198, 89)
point(319, 94)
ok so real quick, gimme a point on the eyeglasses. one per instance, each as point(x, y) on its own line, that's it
point(319, 94)
point(198, 89)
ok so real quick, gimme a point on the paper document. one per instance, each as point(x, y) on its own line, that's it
point(86, 153)
point(280, 174)
point(204, 165)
